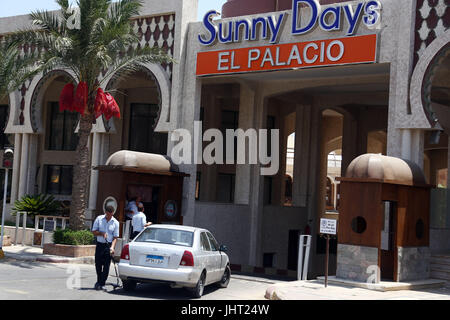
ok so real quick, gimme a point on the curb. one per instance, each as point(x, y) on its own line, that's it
point(264, 271)
point(253, 279)
point(50, 259)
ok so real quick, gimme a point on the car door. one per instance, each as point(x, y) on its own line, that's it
point(216, 257)
point(207, 257)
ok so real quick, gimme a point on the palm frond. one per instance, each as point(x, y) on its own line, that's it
point(48, 21)
point(15, 68)
point(133, 61)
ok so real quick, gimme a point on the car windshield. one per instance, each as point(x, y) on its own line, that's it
point(167, 236)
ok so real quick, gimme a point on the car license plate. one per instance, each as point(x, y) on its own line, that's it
point(154, 260)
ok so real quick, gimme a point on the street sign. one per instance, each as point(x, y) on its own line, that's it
point(328, 226)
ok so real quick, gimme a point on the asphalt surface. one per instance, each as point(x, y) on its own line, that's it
point(36, 280)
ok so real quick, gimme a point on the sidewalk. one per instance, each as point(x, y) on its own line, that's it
point(35, 254)
point(315, 290)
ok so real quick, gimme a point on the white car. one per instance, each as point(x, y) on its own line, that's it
point(178, 255)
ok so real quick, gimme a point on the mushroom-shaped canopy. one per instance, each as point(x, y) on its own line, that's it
point(142, 161)
point(387, 169)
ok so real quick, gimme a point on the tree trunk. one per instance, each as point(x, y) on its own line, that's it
point(81, 173)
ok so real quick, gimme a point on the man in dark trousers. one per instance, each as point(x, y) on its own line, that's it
point(106, 229)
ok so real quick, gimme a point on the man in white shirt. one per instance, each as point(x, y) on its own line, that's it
point(139, 221)
point(106, 229)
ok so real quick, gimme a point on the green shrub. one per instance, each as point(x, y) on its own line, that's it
point(74, 238)
point(44, 205)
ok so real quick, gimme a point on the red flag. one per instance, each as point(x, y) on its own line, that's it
point(66, 98)
point(112, 109)
point(101, 103)
point(81, 97)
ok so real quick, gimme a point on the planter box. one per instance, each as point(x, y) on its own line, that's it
point(69, 251)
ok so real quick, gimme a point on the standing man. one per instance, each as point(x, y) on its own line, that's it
point(106, 229)
point(132, 210)
point(132, 207)
point(139, 221)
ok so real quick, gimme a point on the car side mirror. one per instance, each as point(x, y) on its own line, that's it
point(223, 248)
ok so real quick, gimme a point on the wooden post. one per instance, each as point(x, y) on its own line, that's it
point(326, 259)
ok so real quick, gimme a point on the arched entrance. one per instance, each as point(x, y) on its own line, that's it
point(55, 139)
point(140, 101)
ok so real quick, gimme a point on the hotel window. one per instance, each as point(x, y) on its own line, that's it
point(3, 119)
point(270, 127)
point(59, 179)
point(230, 120)
point(225, 188)
point(143, 138)
point(61, 129)
point(268, 186)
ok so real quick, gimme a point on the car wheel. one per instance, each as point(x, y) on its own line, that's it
point(129, 285)
point(225, 278)
point(197, 292)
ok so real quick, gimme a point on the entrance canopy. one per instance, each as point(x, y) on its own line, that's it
point(385, 169)
point(149, 162)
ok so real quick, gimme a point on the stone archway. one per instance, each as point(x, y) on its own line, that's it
point(423, 79)
point(160, 77)
point(39, 89)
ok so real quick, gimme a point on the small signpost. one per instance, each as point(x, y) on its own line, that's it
point(328, 227)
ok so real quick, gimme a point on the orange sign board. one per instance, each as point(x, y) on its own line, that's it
point(348, 50)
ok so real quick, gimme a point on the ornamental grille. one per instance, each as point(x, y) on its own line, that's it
point(432, 20)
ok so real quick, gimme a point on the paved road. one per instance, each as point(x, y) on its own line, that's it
point(28, 280)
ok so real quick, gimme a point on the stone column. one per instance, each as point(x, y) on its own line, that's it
point(413, 146)
point(189, 111)
point(16, 167)
point(279, 180)
point(349, 142)
point(208, 183)
point(23, 180)
point(314, 155)
point(257, 188)
point(93, 187)
point(32, 164)
point(417, 147)
point(406, 144)
point(301, 172)
point(243, 171)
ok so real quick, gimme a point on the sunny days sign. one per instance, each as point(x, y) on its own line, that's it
point(340, 51)
point(360, 49)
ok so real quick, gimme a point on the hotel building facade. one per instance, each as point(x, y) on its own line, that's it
point(362, 77)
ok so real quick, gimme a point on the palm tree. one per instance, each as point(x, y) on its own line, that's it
point(103, 42)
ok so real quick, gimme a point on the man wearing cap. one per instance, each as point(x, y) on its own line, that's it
point(106, 229)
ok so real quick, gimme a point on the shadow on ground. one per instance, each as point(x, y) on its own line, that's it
point(155, 291)
point(24, 264)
